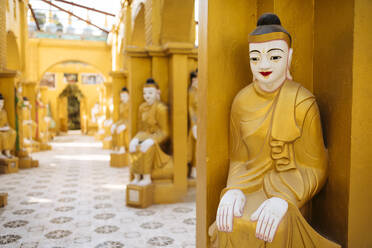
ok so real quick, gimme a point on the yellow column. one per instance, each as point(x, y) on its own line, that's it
point(3, 42)
point(223, 71)
point(139, 69)
point(178, 82)
point(7, 89)
point(160, 71)
point(361, 136)
point(119, 79)
point(108, 90)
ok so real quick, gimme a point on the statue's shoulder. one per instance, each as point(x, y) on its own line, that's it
point(160, 106)
point(302, 94)
point(243, 94)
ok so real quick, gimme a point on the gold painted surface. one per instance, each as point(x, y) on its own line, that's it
point(223, 71)
point(360, 200)
point(333, 90)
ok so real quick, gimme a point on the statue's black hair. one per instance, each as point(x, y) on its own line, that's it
point(124, 89)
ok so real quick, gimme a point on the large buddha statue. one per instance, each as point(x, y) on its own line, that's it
point(7, 134)
point(152, 134)
point(119, 130)
point(278, 160)
point(192, 107)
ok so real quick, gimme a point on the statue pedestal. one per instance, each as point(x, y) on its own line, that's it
point(119, 160)
point(34, 163)
point(99, 136)
point(3, 199)
point(107, 144)
point(45, 147)
point(9, 165)
point(25, 162)
point(139, 196)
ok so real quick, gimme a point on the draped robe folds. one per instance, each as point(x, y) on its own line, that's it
point(8, 137)
point(277, 150)
point(122, 139)
point(153, 123)
point(28, 128)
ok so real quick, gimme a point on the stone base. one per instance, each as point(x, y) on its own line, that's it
point(191, 182)
point(35, 147)
point(9, 165)
point(99, 136)
point(139, 196)
point(107, 144)
point(25, 162)
point(119, 160)
point(34, 163)
point(3, 199)
point(45, 147)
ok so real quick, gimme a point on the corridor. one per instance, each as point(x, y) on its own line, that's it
point(75, 199)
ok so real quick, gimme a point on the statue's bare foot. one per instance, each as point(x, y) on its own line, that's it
point(8, 154)
point(2, 156)
point(145, 181)
point(136, 179)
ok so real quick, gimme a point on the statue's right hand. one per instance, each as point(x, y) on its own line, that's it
point(133, 145)
point(231, 204)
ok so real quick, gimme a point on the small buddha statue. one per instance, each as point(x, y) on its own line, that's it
point(108, 123)
point(28, 125)
point(119, 130)
point(278, 160)
point(7, 134)
point(192, 107)
point(152, 133)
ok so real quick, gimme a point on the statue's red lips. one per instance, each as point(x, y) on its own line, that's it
point(265, 73)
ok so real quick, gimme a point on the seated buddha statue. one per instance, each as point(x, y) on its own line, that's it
point(119, 130)
point(108, 123)
point(278, 161)
point(7, 134)
point(152, 133)
point(192, 107)
point(28, 125)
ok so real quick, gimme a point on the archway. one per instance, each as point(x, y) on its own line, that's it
point(139, 34)
point(12, 55)
point(72, 100)
point(89, 83)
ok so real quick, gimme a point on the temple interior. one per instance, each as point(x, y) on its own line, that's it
point(185, 123)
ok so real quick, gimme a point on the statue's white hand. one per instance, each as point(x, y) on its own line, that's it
point(121, 128)
point(231, 204)
point(194, 131)
point(113, 127)
point(133, 145)
point(146, 145)
point(269, 215)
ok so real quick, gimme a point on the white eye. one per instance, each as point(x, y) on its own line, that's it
point(254, 59)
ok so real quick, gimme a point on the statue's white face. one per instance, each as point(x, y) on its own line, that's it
point(26, 103)
point(20, 89)
point(1, 104)
point(150, 94)
point(124, 96)
point(270, 62)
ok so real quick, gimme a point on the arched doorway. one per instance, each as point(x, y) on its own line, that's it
point(72, 108)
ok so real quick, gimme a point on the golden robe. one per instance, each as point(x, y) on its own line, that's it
point(122, 138)
point(192, 107)
point(152, 123)
point(277, 150)
point(28, 129)
point(7, 138)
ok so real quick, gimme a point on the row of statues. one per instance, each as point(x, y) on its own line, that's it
point(28, 135)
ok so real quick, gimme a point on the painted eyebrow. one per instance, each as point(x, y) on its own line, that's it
point(254, 51)
point(273, 49)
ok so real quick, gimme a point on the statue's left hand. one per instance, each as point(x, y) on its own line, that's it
point(269, 216)
point(145, 145)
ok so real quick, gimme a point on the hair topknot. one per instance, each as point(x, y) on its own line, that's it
point(268, 19)
point(150, 81)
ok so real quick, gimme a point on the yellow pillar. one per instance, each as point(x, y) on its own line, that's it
point(119, 79)
point(160, 70)
point(178, 82)
point(3, 42)
point(108, 95)
point(7, 89)
point(361, 136)
point(223, 71)
point(139, 69)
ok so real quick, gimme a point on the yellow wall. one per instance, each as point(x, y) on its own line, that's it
point(91, 92)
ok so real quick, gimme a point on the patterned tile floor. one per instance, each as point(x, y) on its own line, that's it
point(74, 199)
